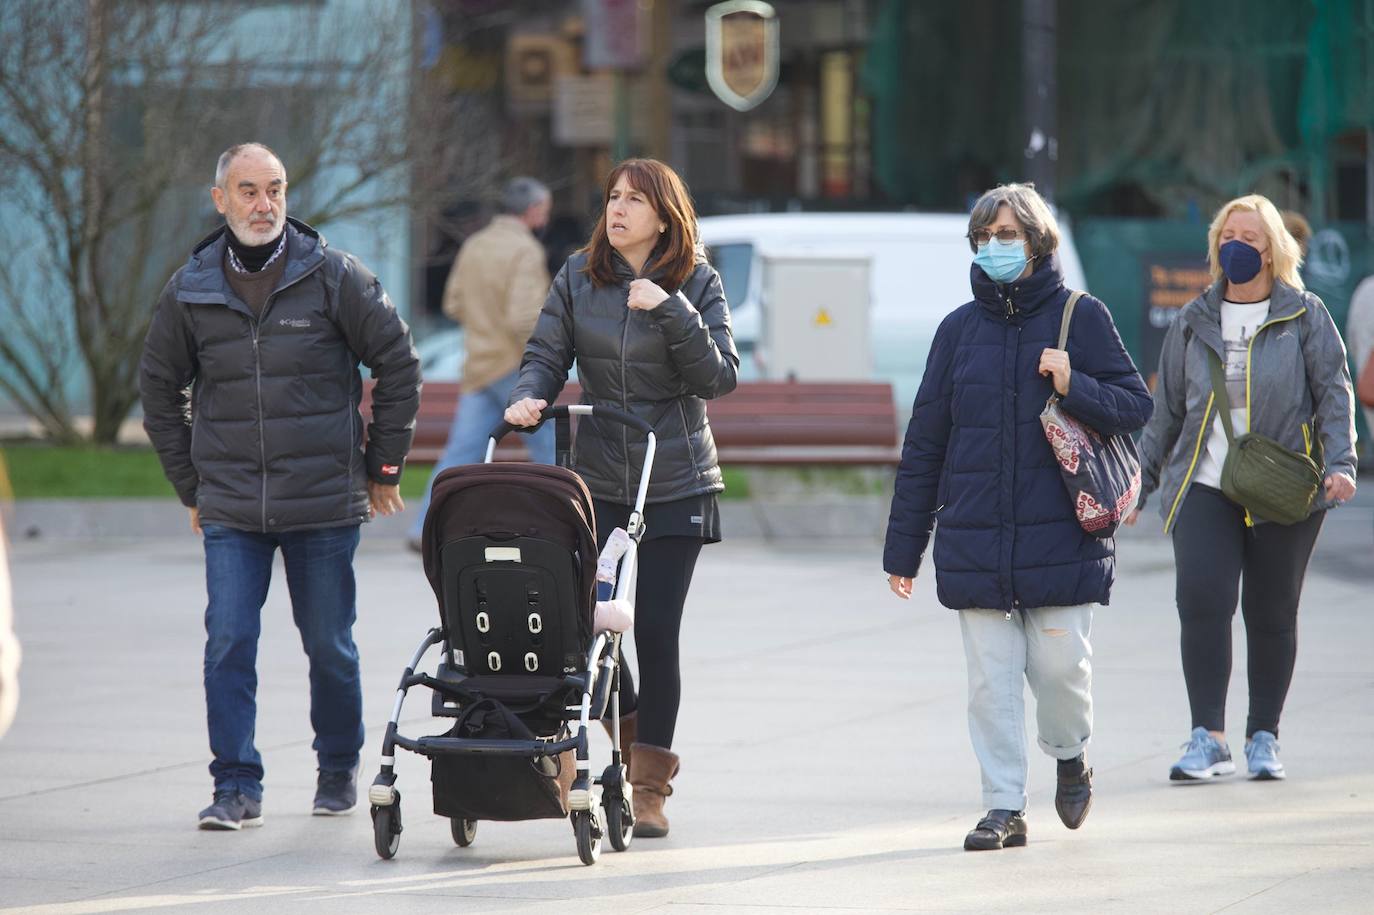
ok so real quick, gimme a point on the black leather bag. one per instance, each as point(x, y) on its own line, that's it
point(476, 786)
point(1101, 473)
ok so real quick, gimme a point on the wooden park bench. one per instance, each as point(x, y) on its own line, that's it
point(759, 423)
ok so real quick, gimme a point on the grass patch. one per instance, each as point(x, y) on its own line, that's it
point(38, 471)
point(47, 472)
point(417, 478)
point(736, 483)
point(414, 481)
point(819, 481)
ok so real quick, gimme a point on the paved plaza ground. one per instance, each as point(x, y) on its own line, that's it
point(826, 763)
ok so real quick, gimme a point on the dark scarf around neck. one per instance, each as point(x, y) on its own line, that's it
point(252, 257)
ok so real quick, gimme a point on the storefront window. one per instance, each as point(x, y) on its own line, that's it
point(837, 124)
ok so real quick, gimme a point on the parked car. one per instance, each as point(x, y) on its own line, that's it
point(919, 272)
point(441, 354)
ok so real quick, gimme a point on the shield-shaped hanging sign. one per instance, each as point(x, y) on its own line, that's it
point(742, 52)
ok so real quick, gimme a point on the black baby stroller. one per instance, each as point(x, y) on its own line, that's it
point(510, 550)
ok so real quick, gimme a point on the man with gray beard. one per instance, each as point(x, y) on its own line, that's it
point(250, 391)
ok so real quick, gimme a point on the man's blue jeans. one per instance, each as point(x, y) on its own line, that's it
point(319, 576)
point(478, 413)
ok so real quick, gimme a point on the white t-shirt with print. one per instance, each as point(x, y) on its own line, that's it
point(1239, 321)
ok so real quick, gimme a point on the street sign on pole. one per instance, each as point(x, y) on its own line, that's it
point(742, 51)
point(1039, 93)
point(583, 111)
point(614, 34)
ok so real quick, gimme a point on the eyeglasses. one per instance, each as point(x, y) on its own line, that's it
point(981, 237)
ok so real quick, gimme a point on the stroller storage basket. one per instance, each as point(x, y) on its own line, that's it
point(494, 786)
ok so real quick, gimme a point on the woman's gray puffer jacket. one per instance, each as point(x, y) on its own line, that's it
point(1299, 392)
point(660, 365)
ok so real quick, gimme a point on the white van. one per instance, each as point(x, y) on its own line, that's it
point(918, 273)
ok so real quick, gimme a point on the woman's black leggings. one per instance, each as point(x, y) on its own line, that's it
point(665, 574)
point(1216, 556)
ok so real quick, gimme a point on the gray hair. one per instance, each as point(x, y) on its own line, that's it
point(521, 194)
point(227, 158)
point(1027, 206)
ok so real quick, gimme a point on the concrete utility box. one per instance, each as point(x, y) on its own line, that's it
point(816, 318)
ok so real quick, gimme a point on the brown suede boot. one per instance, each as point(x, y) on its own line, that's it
point(567, 774)
point(654, 769)
point(628, 730)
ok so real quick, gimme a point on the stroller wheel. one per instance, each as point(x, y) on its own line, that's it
point(386, 829)
point(619, 821)
point(588, 831)
point(464, 831)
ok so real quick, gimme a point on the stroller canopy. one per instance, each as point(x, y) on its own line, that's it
point(516, 500)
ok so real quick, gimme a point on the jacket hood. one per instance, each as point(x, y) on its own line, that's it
point(205, 268)
point(1043, 285)
point(1203, 314)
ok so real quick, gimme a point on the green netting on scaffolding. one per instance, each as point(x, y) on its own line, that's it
point(1164, 105)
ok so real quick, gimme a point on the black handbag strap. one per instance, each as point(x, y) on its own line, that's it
point(1220, 394)
point(1074, 296)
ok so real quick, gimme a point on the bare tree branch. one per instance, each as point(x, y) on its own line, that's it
point(111, 115)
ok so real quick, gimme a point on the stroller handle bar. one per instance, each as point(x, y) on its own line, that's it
point(561, 414)
point(577, 409)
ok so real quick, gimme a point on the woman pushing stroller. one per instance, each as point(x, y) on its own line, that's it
point(645, 318)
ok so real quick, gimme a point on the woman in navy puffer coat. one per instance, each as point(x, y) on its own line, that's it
point(1009, 552)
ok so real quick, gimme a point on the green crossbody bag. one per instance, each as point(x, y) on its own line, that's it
point(1262, 476)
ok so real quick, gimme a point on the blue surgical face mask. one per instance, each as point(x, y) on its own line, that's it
point(1002, 262)
point(1240, 262)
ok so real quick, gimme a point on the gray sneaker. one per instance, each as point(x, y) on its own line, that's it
point(336, 793)
point(1262, 753)
point(231, 810)
point(1205, 758)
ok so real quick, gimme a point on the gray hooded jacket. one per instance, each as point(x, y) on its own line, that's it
point(1298, 393)
point(256, 418)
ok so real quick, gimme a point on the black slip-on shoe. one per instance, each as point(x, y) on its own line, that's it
point(1074, 796)
point(999, 829)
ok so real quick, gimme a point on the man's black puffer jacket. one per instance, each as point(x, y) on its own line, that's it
point(270, 438)
point(660, 365)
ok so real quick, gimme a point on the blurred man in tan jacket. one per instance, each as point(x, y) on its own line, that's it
point(495, 291)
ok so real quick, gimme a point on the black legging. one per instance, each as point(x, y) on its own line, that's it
point(1216, 556)
point(665, 574)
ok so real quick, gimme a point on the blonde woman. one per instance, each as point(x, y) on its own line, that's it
point(1286, 378)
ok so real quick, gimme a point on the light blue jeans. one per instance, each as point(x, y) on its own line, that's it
point(1049, 648)
point(478, 413)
